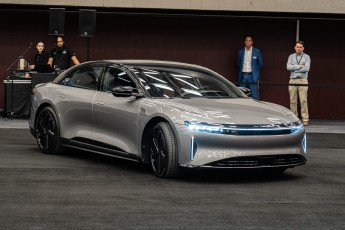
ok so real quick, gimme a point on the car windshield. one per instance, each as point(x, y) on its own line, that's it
point(181, 83)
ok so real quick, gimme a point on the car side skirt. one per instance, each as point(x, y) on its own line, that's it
point(99, 148)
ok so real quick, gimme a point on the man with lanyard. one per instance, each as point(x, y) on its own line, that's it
point(250, 62)
point(60, 57)
point(299, 64)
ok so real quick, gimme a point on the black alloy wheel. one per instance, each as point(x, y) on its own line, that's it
point(47, 132)
point(163, 151)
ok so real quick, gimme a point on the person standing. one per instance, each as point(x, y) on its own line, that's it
point(299, 65)
point(250, 62)
point(60, 57)
point(41, 57)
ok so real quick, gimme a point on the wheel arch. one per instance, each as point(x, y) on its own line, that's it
point(147, 135)
point(48, 132)
point(39, 109)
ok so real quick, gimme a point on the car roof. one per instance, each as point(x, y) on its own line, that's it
point(149, 63)
point(157, 63)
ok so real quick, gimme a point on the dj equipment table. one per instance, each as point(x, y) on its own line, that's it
point(18, 93)
point(17, 97)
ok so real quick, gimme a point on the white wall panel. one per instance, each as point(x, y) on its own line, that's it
point(318, 6)
point(176, 4)
point(231, 5)
point(147, 4)
point(117, 3)
point(338, 6)
point(313, 6)
point(262, 5)
point(195, 4)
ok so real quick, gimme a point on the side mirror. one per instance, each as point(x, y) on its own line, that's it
point(245, 90)
point(125, 91)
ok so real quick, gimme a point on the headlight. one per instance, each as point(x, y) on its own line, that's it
point(205, 127)
point(229, 129)
point(296, 129)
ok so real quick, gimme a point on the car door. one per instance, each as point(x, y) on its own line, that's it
point(116, 117)
point(75, 102)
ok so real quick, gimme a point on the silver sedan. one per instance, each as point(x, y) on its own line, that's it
point(171, 115)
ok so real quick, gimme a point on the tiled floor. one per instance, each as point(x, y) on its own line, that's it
point(14, 123)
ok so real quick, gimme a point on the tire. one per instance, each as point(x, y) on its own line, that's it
point(163, 152)
point(48, 132)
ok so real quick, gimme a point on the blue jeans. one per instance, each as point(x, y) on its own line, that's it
point(247, 78)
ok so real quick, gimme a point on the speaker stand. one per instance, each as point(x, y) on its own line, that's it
point(87, 48)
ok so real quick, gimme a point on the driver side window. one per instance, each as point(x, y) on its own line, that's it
point(114, 77)
point(86, 78)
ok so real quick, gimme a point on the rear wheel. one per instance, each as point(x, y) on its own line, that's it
point(163, 151)
point(48, 132)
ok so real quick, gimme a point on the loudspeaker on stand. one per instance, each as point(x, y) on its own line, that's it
point(56, 21)
point(87, 23)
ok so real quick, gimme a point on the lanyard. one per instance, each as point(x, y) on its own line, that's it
point(299, 61)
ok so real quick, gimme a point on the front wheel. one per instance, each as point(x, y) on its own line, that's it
point(48, 132)
point(163, 151)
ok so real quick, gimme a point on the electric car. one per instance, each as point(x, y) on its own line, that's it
point(168, 114)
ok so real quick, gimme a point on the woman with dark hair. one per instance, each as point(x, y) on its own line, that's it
point(41, 57)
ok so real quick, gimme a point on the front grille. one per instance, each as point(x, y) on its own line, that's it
point(258, 132)
point(260, 161)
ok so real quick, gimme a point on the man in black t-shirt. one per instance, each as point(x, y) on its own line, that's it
point(60, 57)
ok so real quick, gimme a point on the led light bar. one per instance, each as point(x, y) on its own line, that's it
point(304, 144)
point(244, 129)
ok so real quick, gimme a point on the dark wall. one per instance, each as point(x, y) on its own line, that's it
point(328, 66)
point(212, 42)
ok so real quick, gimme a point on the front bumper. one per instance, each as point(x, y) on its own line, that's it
point(214, 150)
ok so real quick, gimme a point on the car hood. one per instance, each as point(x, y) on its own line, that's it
point(226, 111)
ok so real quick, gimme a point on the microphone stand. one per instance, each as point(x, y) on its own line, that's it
point(20, 56)
point(11, 76)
